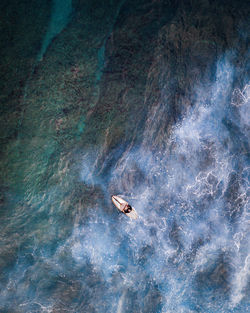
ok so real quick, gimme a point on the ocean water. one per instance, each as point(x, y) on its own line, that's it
point(187, 252)
point(60, 16)
point(65, 247)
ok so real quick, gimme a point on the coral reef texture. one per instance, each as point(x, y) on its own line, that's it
point(147, 99)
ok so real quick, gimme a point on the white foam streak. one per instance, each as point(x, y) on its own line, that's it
point(120, 303)
point(240, 281)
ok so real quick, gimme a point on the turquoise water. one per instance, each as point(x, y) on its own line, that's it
point(65, 247)
point(59, 18)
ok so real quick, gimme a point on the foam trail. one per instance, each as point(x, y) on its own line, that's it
point(120, 303)
point(188, 251)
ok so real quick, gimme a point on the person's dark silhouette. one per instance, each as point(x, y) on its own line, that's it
point(127, 209)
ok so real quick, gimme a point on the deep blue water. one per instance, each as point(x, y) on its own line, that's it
point(188, 251)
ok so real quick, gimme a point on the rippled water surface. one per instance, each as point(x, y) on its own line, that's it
point(65, 247)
